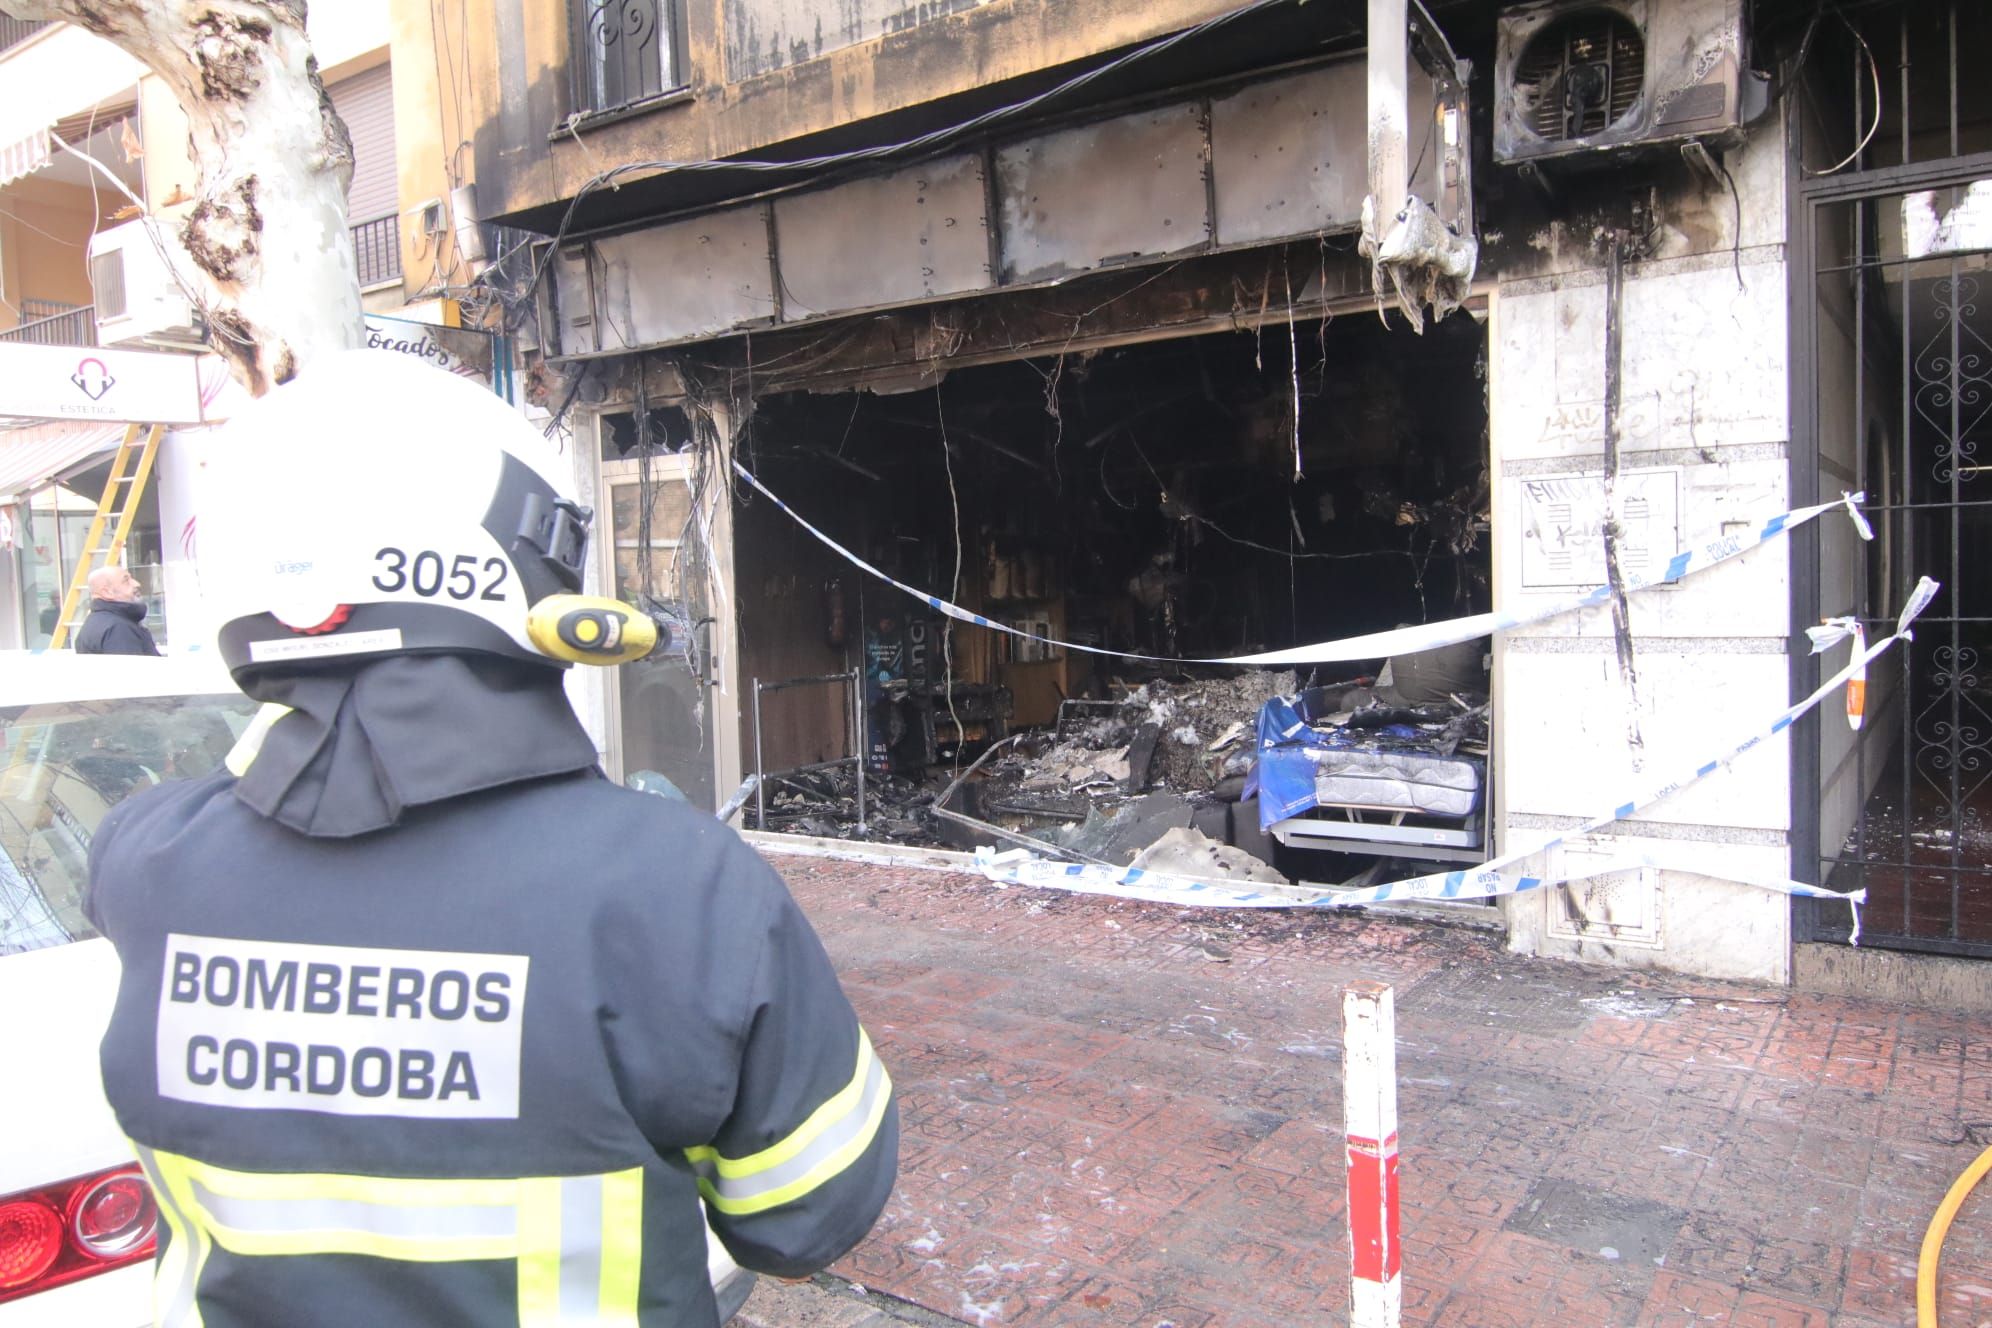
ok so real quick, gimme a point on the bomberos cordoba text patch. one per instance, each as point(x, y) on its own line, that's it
point(351, 1030)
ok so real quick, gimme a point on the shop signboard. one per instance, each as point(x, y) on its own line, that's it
point(464, 351)
point(99, 385)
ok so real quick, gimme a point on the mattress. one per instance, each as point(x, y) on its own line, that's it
point(1299, 767)
point(1409, 781)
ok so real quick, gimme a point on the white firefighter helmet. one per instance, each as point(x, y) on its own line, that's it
point(377, 505)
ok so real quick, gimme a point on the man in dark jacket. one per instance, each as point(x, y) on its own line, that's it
point(421, 1020)
point(116, 625)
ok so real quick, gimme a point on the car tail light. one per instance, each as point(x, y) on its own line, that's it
point(113, 1216)
point(30, 1241)
point(61, 1233)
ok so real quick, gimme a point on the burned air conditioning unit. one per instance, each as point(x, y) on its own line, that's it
point(1581, 80)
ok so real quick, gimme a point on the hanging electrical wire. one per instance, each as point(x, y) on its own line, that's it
point(1874, 74)
point(954, 585)
point(1176, 506)
point(711, 464)
point(646, 494)
point(151, 227)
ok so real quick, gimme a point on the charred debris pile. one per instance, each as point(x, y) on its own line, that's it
point(1155, 776)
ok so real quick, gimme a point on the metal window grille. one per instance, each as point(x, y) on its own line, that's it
point(377, 250)
point(107, 282)
point(1893, 394)
point(623, 51)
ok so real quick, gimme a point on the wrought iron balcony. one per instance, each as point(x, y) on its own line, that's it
point(377, 250)
point(57, 325)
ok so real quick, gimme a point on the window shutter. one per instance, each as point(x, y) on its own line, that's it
point(366, 103)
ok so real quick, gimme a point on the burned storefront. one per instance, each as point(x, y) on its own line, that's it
point(1125, 510)
point(970, 471)
point(1019, 425)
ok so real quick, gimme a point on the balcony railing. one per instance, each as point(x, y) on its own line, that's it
point(74, 326)
point(377, 250)
point(14, 31)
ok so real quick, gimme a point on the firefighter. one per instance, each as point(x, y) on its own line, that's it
point(422, 1020)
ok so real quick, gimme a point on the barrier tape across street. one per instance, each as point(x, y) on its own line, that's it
point(1376, 645)
point(1489, 880)
point(1019, 866)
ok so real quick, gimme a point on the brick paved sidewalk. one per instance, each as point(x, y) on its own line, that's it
point(1128, 1114)
point(827, 1301)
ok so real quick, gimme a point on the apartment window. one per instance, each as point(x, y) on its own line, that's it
point(365, 102)
point(625, 51)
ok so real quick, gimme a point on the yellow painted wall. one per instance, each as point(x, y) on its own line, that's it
point(427, 128)
point(44, 233)
point(10, 268)
point(169, 166)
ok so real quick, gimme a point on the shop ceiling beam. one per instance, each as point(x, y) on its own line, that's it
point(910, 348)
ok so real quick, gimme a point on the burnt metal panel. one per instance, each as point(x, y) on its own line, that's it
point(574, 330)
point(1279, 161)
point(1288, 155)
point(686, 279)
point(915, 234)
point(1120, 191)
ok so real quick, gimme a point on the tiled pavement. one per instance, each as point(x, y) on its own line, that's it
point(1128, 1114)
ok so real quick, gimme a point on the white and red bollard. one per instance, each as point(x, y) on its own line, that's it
point(1369, 1115)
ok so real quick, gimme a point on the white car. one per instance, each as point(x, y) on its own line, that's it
point(78, 733)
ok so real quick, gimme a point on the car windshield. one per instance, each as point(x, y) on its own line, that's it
point(62, 766)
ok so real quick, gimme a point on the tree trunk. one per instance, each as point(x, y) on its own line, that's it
point(268, 230)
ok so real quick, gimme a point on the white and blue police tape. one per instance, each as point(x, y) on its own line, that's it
point(1399, 641)
point(1491, 879)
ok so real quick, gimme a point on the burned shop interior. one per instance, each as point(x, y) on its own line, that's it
point(1163, 502)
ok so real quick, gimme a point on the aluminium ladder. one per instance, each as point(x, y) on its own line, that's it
point(116, 509)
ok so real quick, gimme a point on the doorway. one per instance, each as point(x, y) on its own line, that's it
point(1894, 396)
point(668, 528)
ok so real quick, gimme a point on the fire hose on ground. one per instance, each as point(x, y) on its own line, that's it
point(1933, 1239)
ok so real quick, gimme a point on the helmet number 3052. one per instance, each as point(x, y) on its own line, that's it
point(425, 574)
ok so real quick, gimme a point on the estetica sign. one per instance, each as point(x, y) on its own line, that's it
point(107, 386)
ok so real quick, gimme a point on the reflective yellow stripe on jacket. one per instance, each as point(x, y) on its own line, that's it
point(835, 1135)
point(578, 1240)
point(250, 745)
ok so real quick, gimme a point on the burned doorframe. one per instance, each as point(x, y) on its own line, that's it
point(657, 450)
